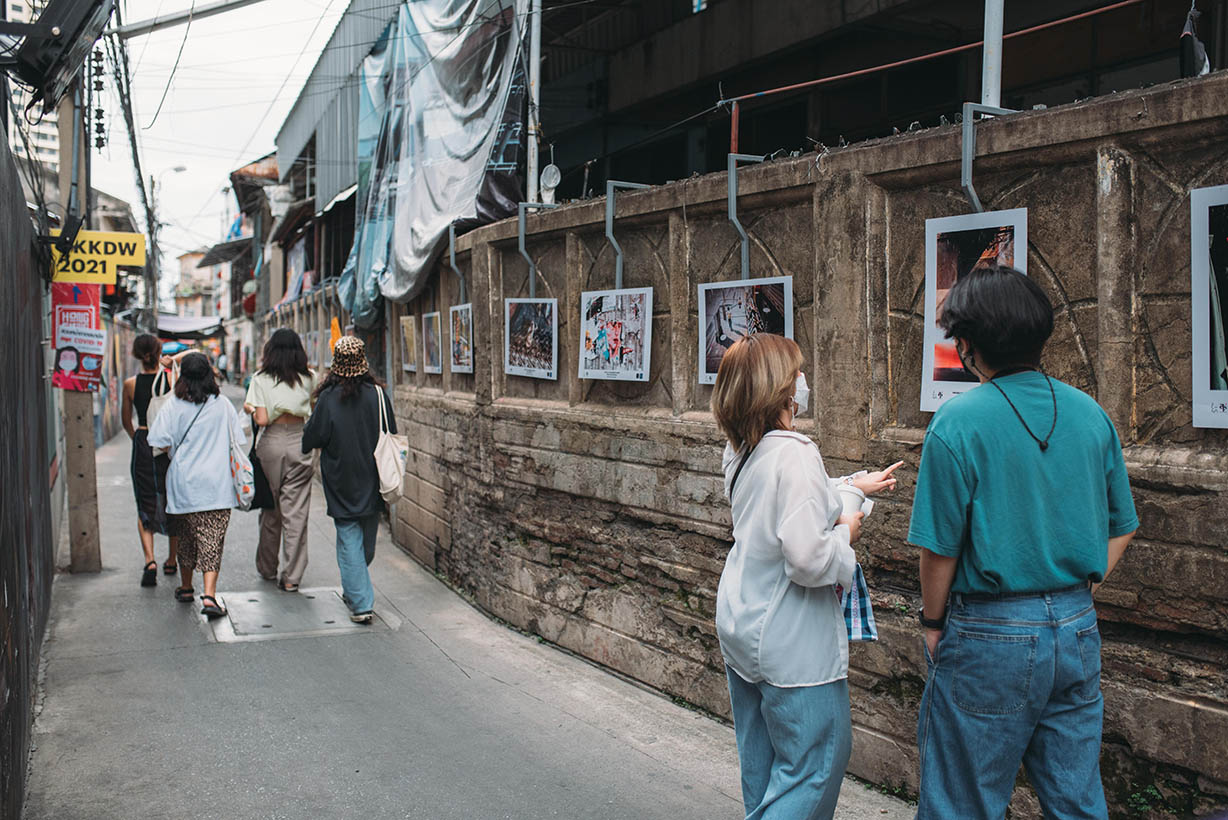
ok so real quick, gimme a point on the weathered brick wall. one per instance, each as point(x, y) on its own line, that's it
point(592, 513)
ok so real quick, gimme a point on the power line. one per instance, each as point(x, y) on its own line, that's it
point(171, 78)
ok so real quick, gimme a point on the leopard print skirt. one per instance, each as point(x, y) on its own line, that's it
point(201, 536)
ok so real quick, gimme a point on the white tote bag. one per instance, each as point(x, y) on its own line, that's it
point(159, 399)
point(242, 475)
point(391, 452)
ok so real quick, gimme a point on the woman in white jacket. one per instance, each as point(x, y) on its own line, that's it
point(778, 612)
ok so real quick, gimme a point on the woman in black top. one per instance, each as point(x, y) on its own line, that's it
point(345, 426)
point(148, 470)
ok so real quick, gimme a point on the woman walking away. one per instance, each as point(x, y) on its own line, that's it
point(345, 426)
point(148, 471)
point(1022, 508)
point(280, 400)
point(778, 615)
point(198, 426)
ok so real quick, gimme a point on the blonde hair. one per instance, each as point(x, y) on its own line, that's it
point(753, 385)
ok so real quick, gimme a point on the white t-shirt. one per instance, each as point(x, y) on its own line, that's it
point(778, 617)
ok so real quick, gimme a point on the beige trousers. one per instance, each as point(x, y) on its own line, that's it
point(289, 473)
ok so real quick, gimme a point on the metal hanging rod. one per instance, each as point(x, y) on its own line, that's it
point(452, 257)
point(520, 211)
point(611, 186)
point(734, 159)
point(968, 149)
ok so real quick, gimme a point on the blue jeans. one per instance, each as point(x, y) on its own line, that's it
point(355, 550)
point(793, 747)
point(1017, 680)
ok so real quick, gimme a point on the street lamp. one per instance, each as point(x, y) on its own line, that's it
point(153, 264)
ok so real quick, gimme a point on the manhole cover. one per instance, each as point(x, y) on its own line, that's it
point(274, 614)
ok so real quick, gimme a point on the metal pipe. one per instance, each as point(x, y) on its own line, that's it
point(732, 171)
point(967, 149)
point(991, 55)
point(177, 18)
point(610, 187)
point(932, 55)
point(452, 255)
point(535, 89)
point(734, 124)
point(520, 211)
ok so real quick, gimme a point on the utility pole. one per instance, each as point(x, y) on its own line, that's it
point(78, 407)
point(153, 261)
point(535, 90)
point(991, 55)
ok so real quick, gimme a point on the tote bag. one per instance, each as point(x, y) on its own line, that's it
point(241, 475)
point(391, 452)
point(858, 614)
point(159, 399)
point(263, 498)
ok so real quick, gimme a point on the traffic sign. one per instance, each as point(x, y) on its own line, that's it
point(96, 256)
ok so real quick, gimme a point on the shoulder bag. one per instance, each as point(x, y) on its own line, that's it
point(263, 498)
point(159, 399)
point(241, 473)
point(391, 453)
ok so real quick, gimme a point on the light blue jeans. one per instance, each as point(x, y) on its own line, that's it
point(793, 746)
point(1017, 680)
point(355, 550)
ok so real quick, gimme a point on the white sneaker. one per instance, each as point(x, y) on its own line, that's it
point(362, 617)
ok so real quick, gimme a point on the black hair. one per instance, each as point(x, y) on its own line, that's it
point(196, 383)
point(349, 385)
point(284, 357)
point(62, 350)
point(146, 349)
point(1001, 313)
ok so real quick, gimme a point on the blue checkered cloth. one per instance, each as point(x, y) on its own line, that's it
point(858, 614)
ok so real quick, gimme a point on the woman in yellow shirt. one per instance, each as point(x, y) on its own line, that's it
point(279, 399)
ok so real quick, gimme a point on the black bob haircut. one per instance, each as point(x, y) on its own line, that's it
point(196, 382)
point(1001, 313)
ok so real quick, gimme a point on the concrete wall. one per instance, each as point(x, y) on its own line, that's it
point(592, 513)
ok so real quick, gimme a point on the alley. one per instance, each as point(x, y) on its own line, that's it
point(434, 712)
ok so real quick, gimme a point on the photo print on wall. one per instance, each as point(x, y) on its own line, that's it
point(531, 338)
point(1209, 304)
point(462, 338)
point(730, 310)
point(616, 334)
point(955, 246)
point(409, 345)
point(432, 355)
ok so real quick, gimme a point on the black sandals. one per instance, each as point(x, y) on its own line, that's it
point(211, 609)
point(149, 578)
point(169, 569)
point(185, 595)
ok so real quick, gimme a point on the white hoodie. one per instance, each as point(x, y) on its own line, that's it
point(777, 613)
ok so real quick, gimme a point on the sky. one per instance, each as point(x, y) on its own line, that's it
point(222, 107)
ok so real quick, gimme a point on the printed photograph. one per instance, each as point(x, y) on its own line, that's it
point(1209, 304)
point(409, 344)
point(954, 247)
point(531, 338)
point(462, 338)
point(616, 334)
point(730, 310)
point(432, 355)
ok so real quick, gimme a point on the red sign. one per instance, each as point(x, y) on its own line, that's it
point(80, 341)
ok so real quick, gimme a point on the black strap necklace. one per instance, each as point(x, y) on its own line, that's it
point(1010, 371)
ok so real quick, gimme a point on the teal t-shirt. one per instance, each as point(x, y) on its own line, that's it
point(1019, 519)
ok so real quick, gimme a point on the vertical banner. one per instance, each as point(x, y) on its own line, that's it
point(80, 341)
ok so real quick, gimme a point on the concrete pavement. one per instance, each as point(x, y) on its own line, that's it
point(284, 711)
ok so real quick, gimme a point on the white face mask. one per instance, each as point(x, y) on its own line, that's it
point(801, 394)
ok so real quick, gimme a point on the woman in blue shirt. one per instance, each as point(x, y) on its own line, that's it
point(1022, 508)
point(198, 426)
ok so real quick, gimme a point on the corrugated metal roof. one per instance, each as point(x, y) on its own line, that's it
point(337, 144)
point(355, 36)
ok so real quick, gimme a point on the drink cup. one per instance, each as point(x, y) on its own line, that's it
point(851, 498)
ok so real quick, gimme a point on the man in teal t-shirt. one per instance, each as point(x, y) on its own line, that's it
point(1022, 503)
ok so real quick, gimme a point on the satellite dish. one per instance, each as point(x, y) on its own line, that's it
point(551, 176)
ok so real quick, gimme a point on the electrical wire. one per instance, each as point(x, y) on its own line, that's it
point(171, 78)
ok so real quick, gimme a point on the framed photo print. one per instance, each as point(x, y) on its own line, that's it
point(432, 353)
point(531, 338)
point(955, 246)
point(409, 344)
point(462, 337)
point(730, 310)
point(1209, 304)
point(616, 334)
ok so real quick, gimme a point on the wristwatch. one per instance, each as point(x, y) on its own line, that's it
point(932, 623)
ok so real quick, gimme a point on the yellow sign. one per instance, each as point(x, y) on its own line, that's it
point(96, 257)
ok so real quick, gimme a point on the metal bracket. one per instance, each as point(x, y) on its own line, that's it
point(524, 206)
point(610, 187)
point(734, 159)
point(452, 258)
point(42, 30)
point(968, 148)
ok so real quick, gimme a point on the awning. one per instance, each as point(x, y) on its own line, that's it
point(296, 215)
point(188, 327)
point(227, 251)
point(339, 198)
